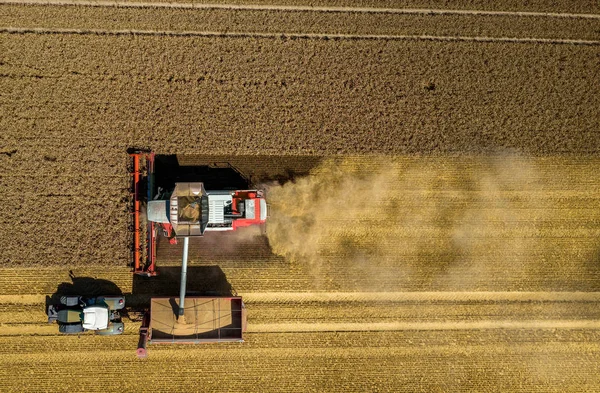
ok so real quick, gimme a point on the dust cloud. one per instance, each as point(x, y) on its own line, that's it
point(501, 222)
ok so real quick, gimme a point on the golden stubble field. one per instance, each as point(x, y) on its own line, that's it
point(441, 232)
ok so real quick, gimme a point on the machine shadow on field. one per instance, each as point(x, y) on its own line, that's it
point(201, 281)
point(83, 286)
point(214, 175)
point(232, 172)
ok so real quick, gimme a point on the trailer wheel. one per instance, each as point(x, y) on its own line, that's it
point(70, 329)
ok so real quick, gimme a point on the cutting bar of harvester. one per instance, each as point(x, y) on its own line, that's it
point(143, 172)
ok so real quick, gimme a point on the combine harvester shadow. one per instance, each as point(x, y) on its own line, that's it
point(201, 281)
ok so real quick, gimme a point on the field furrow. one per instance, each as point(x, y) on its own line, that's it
point(303, 23)
point(471, 7)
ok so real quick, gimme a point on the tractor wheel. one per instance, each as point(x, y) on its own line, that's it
point(70, 329)
point(69, 301)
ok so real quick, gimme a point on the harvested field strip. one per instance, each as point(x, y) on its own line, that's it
point(396, 326)
point(294, 24)
point(292, 35)
point(311, 297)
point(389, 361)
point(315, 360)
point(386, 313)
point(296, 8)
point(167, 352)
point(131, 329)
point(407, 340)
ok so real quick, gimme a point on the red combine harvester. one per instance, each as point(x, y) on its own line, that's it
point(185, 211)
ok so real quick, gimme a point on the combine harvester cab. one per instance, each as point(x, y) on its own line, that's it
point(190, 210)
point(187, 211)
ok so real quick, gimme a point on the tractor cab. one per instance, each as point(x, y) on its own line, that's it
point(95, 318)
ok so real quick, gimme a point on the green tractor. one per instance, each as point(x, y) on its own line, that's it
point(76, 314)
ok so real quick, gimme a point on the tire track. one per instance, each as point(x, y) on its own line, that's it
point(306, 297)
point(290, 8)
point(131, 328)
point(37, 329)
point(421, 326)
point(274, 22)
point(327, 297)
point(168, 33)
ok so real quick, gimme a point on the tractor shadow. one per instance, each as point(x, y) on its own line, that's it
point(82, 286)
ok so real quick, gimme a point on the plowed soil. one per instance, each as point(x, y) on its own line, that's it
point(432, 181)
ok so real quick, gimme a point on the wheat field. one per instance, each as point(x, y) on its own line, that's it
point(431, 176)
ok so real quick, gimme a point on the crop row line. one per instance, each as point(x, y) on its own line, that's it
point(50, 330)
point(398, 326)
point(320, 297)
point(284, 297)
point(298, 8)
point(512, 40)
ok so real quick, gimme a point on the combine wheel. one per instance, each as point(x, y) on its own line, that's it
point(70, 329)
